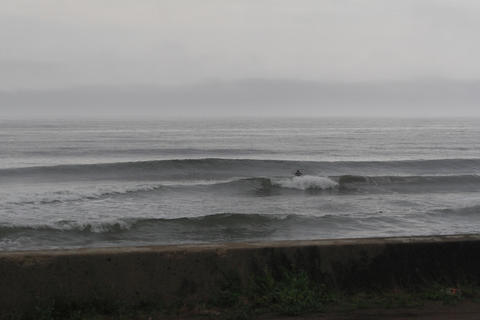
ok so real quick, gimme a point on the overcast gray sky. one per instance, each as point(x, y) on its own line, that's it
point(56, 44)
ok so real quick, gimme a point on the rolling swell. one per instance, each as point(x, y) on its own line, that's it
point(413, 180)
point(409, 184)
point(203, 229)
point(185, 224)
point(148, 231)
point(463, 211)
point(264, 186)
point(73, 196)
point(122, 225)
point(352, 183)
point(216, 168)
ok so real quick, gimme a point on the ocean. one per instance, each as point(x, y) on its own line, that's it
point(99, 183)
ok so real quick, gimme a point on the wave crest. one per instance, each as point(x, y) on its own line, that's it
point(307, 182)
point(463, 211)
point(126, 224)
point(217, 168)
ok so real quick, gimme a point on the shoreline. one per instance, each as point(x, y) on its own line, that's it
point(242, 245)
point(190, 276)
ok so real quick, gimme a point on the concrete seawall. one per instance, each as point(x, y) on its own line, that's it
point(168, 275)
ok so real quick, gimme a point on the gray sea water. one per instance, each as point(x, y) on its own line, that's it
point(82, 183)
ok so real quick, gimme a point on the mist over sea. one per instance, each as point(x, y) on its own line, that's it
point(93, 183)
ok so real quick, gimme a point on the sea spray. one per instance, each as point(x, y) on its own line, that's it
point(307, 182)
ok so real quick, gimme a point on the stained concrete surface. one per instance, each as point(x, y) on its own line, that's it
point(167, 275)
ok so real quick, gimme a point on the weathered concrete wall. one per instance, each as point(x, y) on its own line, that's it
point(166, 275)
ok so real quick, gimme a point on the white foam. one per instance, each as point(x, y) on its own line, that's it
point(307, 182)
point(49, 193)
point(37, 194)
point(96, 226)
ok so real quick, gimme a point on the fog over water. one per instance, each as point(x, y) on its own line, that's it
point(251, 98)
point(250, 58)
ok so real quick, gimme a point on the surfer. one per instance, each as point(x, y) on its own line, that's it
point(298, 173)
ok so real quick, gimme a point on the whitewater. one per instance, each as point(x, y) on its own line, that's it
point(96, 183)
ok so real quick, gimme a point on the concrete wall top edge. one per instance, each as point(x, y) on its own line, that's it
point(240, 246)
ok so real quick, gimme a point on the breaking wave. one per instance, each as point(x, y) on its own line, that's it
point(307, 182)
point(259, 186)
point(121, 225)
